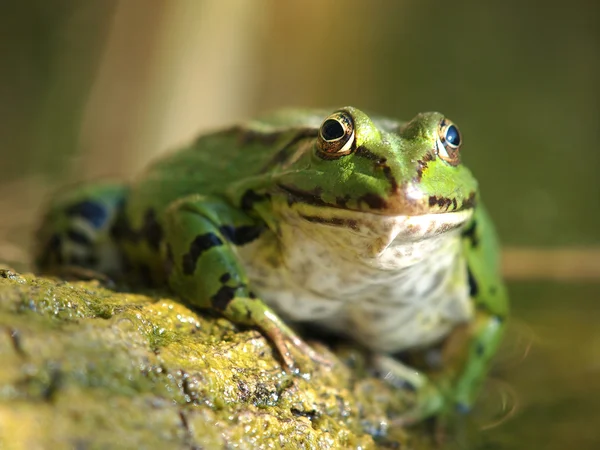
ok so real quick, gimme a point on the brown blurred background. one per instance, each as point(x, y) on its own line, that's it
point(97, 88)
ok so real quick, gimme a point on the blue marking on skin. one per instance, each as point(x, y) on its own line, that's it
point(92, 212)
point(463, 408)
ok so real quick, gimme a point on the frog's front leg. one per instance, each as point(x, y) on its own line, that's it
point(456, 384)
point(201, 234)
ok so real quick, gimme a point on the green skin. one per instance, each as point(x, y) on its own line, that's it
point(181, 221)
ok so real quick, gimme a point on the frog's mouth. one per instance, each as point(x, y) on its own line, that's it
point(398, 204)
point(389, 230)
point(378, 230)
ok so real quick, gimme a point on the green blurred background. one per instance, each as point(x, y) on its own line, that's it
point(97, 88)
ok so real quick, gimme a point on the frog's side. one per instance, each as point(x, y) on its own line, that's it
point(366, 226)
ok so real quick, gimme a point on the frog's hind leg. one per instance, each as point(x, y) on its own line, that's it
point(75, 237)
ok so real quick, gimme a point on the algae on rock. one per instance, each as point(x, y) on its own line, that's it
point(86, 367)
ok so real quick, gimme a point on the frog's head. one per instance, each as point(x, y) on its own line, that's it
point(379, 166)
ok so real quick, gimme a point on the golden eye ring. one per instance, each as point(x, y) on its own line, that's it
point(336, 136)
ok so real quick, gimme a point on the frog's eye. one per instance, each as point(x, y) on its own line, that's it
point(448, 142)
point(336, 136)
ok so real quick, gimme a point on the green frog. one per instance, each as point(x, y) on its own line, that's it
point(362, 225)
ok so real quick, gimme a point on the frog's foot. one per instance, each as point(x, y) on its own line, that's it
point(296, 354)
point(290, 346)
point(429, 400)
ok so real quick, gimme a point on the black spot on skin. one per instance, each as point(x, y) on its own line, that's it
point(479, 349)
point(470, 233)
point(440, 201)
point(309, 197)
point(169, 260)
point(122, 230)
point(222, 298)
point(240, 235)
point(79, 237)
point(422, 165)
point(470, 202)
point(225, 278)
point(202, 243)
point(473, 286)
point(387, 171)
point(445, 202)
point(151, 229)
point(250, 198)
point(93, 212)
point(380, 162)
point(374, 201)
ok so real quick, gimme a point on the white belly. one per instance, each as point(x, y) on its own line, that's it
point(389, 297)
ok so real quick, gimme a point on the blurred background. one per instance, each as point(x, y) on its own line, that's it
point(97, 88)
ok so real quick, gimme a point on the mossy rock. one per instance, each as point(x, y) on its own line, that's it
point(86, 367)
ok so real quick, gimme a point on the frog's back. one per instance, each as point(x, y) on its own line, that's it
point(215, 162)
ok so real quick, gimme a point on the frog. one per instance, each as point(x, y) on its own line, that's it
point(362, 225)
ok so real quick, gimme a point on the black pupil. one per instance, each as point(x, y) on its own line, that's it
point(452, 136)
point(332, 130)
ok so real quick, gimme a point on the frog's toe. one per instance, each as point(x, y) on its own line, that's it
point(429, 403)
point(297, 355)
point(429, 399)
